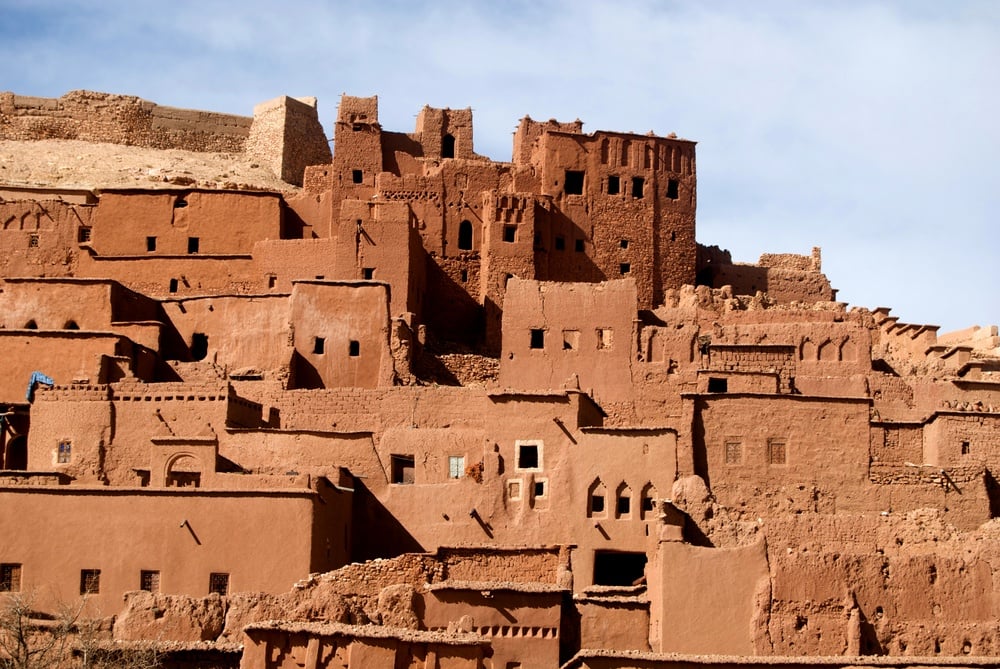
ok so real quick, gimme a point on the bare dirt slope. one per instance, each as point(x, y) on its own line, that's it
point(63, 163)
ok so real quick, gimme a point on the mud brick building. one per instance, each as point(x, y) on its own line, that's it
point(422, 408)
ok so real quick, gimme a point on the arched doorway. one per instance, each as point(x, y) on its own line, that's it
point(183, 471)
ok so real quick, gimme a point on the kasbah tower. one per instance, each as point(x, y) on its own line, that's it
point(400, 405)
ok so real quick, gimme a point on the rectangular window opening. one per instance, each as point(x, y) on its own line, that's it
point(574, 182)
point(605, 338)
point(354, 348)
point(624, 505)
point(65, 452)
point(218, 583)
point(734, 453)
point(271, 280)
point(465, 276)
point(539, 488)
point(193, 244)
point(401, 468)
point(537, 338)
point(619, 568)
point(571, 340)
point(509, 233)
point(90, 581)
point(614, 185)
point(368, 273)
point(456, 466)
point(578, 246)
point(319, 345)
point(10, 577)
point(777, 453)
point(357, 176)
point(173, 285)
point(716, 385)
point(637, 187)
point(560, 243)
point(150, 244)
point(623, 243)
point(527, 456)
point(32, 241)
point(625, 268)
point(83, 236)
point(673, 189)
point(149, 580)
point(966, 448)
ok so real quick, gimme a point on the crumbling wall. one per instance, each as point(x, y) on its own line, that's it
point(286, 135)
point(119, 119)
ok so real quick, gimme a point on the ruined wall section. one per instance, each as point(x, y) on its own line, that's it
point(120, 119)
point(41, 237)
point(785, 277)
point(286, 135)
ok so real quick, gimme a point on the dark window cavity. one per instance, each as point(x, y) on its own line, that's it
point(401, 469)
point(673, 188)
point(354, 348)
point(614, 185)
point(527, 456)
point(560, 243)
point(448, 146)
point(574, 182)
point(637, 185)
point(150, 244)
point(465, 236)
point(193, 244)
point(537, 338)
point(319, 345)
point(509, 233)
point(357, 176)
point(199, 346)
point(716, 385)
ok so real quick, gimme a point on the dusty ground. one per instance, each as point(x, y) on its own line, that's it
point(75, 164)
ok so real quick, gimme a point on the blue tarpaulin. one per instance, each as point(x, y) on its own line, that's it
point(37, 378)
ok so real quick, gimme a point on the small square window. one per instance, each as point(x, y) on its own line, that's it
point(456, 466)
point(150, 244)
point(537, 338)
point(32, 241)
point(173, 285)
point(637, 187)
point(272, 280)
point(578, 246)
point(509, 233)
point(465, 276)
point(528, 456)
point(734, 453)
point(64, 452)
point(614, 185)
point(401, 469)
point(673, 188)
point(354, 348)
point(776, 452)
point(357, 176)
point(624, 505)
point(625, 268)
point(319, 345)
point(560, 243)
point(514, 490)
point(368, 273)
point(218, 583)
point(605, 338)
point(574, 182)
point(149, 580)
point(10, 577)
point(623, 243)
point(90, 581)
point(966, 448)
point(648, 504)
point(571, 340)
point(193, 244)
point(83, 234)
point(540, 488)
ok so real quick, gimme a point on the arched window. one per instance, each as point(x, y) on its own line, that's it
point(465, 236)
point(623, 501)
point(448, 146)
point(199, 346)
point(31, 325)
point(71, 325)
point(596, 503)
point(648, 503)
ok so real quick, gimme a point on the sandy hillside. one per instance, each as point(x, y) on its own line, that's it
point(75, 164)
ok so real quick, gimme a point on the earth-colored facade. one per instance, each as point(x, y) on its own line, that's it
point(419, 408)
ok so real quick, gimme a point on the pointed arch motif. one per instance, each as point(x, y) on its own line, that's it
point(597, 506)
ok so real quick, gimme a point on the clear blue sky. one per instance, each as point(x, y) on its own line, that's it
point(871, 129)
